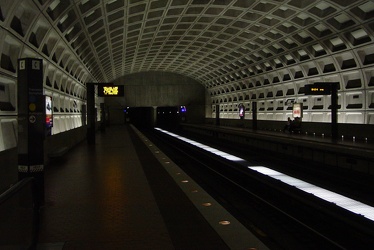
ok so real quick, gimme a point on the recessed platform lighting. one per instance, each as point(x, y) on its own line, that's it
point(224, 222)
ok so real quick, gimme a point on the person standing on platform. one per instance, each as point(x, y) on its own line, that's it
point(288, 125)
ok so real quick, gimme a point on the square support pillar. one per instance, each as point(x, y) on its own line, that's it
point(31, 122)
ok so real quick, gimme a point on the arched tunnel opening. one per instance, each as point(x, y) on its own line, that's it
point(168, 117)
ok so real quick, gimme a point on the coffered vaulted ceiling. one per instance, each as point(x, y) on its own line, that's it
point(212, 41)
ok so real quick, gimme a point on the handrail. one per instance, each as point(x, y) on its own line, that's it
point(21, 198)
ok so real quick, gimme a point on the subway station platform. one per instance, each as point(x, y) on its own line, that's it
point(123, 193)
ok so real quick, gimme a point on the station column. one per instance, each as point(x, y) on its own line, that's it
point(217, 115)
point(31, 122)
point(254, 115)
point(334, 110)
point(91, 117)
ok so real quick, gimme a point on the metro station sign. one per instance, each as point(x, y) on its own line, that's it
point(110, 90)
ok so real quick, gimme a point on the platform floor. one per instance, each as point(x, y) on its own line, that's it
point(117, 195)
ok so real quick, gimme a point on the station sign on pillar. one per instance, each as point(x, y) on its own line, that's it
point(31, 122)
point(241, 111)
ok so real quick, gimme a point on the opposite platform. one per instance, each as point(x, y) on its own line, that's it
point(117, 195)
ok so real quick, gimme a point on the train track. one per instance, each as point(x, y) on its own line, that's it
point(281, 216)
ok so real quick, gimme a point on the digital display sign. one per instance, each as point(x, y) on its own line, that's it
point(48, 112)
point(318, 88)
point(110, 90)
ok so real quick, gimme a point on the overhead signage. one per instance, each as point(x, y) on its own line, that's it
point(318, 88)
point(110, 90)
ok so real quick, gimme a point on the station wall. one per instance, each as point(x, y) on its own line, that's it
point(277, 82)
point(64, 77)
point(159, 89)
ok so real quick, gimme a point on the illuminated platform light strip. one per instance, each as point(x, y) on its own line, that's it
point(340, 200)
point(204, 147)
